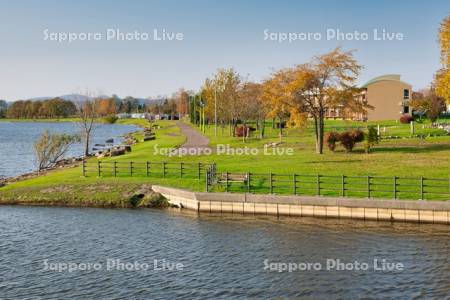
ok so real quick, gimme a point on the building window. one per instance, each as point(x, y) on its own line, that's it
point(406, 109)
point(406, 94)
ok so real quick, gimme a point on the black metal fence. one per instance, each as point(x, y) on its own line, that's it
point(147, 169)
point(210, 176)
point(422, 188)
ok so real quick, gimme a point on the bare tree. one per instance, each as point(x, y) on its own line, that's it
point(87, 113)
point(252, 106)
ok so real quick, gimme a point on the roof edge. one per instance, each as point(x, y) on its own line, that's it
point(386, 77)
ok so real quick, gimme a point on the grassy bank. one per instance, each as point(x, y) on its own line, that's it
point(406, 156)
point(68, 187)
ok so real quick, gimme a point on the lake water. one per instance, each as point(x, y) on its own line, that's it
point(222, 257)
point(17, 138)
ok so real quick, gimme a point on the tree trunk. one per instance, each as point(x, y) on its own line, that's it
point(319, 124)
point(234, 122)
point(86, 144)
point(322, 130)
point(281, 127)
point(263, 123)
point(316, 133)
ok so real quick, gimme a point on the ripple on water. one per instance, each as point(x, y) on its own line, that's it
point(223, 256)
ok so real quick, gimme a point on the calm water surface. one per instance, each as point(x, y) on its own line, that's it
point(223, 256)
point(17, 138)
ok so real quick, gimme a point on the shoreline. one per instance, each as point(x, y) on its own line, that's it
point(66, 162)
point(310, 206)
point(156, 196)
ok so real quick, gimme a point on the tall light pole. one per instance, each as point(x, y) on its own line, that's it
point(202, 114)
point(215, 111)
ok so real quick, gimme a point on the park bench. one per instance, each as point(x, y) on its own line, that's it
point(230, 178)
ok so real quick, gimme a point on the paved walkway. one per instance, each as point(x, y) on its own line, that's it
point(195, 144)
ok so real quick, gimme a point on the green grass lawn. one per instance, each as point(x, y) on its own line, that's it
point(406, 157)
point(401, 157)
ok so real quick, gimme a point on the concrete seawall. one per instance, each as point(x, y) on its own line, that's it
point(311, 206)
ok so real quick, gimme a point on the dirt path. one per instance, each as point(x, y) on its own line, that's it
point(195, 144)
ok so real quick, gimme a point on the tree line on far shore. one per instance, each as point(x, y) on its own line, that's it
point(60, 108)
point(105, 106)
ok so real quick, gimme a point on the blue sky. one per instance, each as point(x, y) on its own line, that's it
point(216, 34)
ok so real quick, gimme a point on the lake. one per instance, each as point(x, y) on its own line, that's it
point(17, 138)
point(218, 257)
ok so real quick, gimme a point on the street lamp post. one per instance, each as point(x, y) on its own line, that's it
point(202, 114)
point(194, 100)
point(215, 111)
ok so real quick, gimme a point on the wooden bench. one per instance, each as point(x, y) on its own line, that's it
point(230, 177)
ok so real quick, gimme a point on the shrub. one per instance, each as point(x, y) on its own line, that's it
point(372, 138)
point(358, 135)
point(110, 119)
point(406, 119)
point(331, 138)
point(49, 148)
point(154, 200)
point(241, 131)
point(349, 138)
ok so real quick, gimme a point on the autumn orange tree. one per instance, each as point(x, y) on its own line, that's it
point(442, 78)
point(428, 103)
point(106, 106)
point(275, 95)
point(327, 82)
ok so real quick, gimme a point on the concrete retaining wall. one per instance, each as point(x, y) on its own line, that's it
point(334, 207)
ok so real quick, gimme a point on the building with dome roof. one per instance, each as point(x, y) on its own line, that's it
point(387, 94)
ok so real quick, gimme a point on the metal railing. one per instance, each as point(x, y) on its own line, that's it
point(418, 188)
point(146, 169)
point(210, 176)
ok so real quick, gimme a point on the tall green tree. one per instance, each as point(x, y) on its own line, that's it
point(221, 95)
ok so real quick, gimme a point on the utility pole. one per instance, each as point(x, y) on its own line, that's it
point(194, 99)
point(215, 111)
point(202, 114)
point(200, 122)
point(203, 118)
